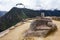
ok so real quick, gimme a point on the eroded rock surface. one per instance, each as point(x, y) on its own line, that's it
point(41, 28)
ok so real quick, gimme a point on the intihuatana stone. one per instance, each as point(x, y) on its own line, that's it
point(41, 27)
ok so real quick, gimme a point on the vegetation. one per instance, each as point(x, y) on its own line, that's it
point(56, 18)
point(11, 18)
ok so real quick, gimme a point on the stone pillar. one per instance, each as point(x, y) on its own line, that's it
point(42, 15)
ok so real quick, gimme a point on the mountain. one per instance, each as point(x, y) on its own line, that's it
point(33, 13)
point(11, 18)
point(16, 15)
point(2, 13)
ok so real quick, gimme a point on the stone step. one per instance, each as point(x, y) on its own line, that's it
point(4, 32)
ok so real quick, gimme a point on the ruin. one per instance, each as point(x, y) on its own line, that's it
point(41, 27)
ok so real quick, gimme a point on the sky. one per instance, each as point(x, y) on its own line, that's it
point(6, 5)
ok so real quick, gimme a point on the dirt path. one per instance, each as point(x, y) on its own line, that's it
point(16, 34)
point(55, 36)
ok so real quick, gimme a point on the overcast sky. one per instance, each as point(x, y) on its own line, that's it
point(6, 5)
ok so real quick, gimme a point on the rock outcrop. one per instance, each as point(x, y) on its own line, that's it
point(41, 27)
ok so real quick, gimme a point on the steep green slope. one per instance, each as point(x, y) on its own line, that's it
point(11, 18)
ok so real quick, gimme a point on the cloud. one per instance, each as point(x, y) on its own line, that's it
point(31, 4)
point(8, 4)
point(48, 4)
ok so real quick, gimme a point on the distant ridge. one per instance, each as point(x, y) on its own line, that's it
point(2, 13)
point(34, 13)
